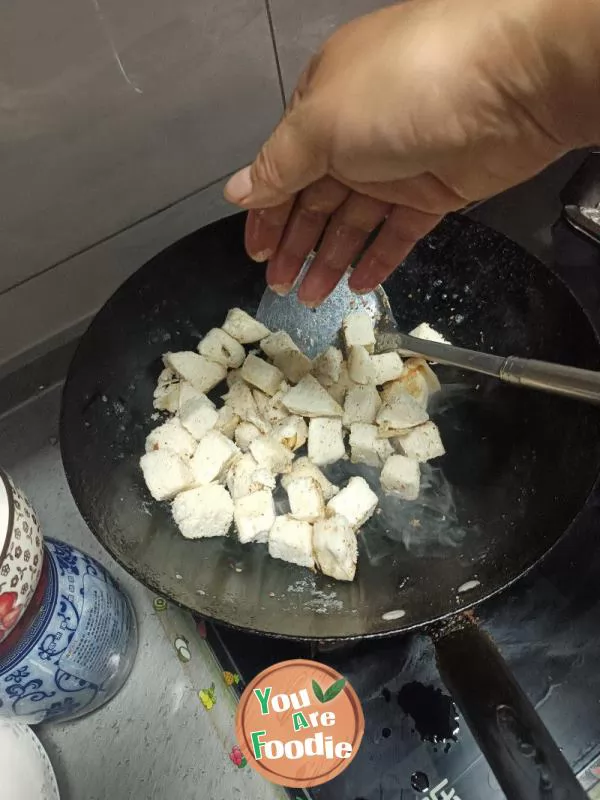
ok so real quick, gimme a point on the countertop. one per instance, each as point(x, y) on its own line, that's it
point(155, 740)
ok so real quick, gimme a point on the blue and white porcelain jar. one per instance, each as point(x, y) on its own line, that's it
point(74, 647)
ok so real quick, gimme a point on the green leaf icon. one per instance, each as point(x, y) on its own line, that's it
point(334, 690)
point(318, 692)
point(329, 694)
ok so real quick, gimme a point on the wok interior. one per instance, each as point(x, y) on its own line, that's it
point(518, 468)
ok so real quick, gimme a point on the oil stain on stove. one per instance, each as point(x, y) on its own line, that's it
point(419, 781)
point(433, 712)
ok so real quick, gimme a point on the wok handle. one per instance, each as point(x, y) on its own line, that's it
point(581, 384)
point(526, 761)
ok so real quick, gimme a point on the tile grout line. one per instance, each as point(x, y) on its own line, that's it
point(275, 52)
point(110, 236)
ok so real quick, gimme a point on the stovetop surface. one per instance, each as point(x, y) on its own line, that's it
point(546, 627)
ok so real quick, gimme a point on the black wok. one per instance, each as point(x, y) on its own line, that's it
point(519, 467)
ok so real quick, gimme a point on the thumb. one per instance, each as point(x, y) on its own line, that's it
point(287, 163)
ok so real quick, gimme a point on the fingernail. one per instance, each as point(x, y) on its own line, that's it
point(239, 187)
point(360, 290)
point(282, 289)
point(262, 255)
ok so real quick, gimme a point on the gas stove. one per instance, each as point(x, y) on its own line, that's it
point(416, 744)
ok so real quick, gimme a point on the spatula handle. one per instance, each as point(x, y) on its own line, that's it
point(581, 384)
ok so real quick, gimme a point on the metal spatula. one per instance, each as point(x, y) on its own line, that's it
point(314, 330)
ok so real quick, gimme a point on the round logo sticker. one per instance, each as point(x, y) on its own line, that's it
point(299, 723)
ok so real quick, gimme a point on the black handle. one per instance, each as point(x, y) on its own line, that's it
point(523, 756)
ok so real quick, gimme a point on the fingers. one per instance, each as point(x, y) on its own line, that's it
point(401, 231)
point(343, 241)
point(424, 192)
point(288, 162)
point(306, 223)
point(264, 229)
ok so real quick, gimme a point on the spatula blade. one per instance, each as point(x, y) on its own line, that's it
point(313, 330)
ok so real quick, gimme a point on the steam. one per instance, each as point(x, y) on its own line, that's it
point(428, 526)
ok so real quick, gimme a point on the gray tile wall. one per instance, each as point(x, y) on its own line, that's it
point(117, 109)
point(300, 27)
point(117, 123)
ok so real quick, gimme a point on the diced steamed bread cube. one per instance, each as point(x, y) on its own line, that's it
point(241, 401)
point(277, 343)
point(171, 435)
point(303, 467)
point(222, 348)
point(309, 399)
point(246, 476)
point(291, 540)
point(286, 355)
point(233, 376)
point(167, 391)
point(360, 367)
point(418, 379)
point(245, 434)
point(294, 364)
point(261, 374)
point(399, 414)
point(292, 432)
point(188, 393)
point(213, 457)
point(166, 474)
point(203, 374)
point(356, 502)
point(271, 409)
point(203, 512)
point(328, 366)
point(401, 476)
point(306, 499)
point(358, 330)
point(271, 454)
point(335, 548)
point(254, 516)
point(227, 422)
point(433, 383)
point(325, 440)
point(244, 328)
point(198, 417)
point(388, 367)
point(342, 386)
point(361, 405)
point(367, 447)
point(413, 381)
point(421, 443)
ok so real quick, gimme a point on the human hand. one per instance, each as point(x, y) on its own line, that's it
point(406, 114)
